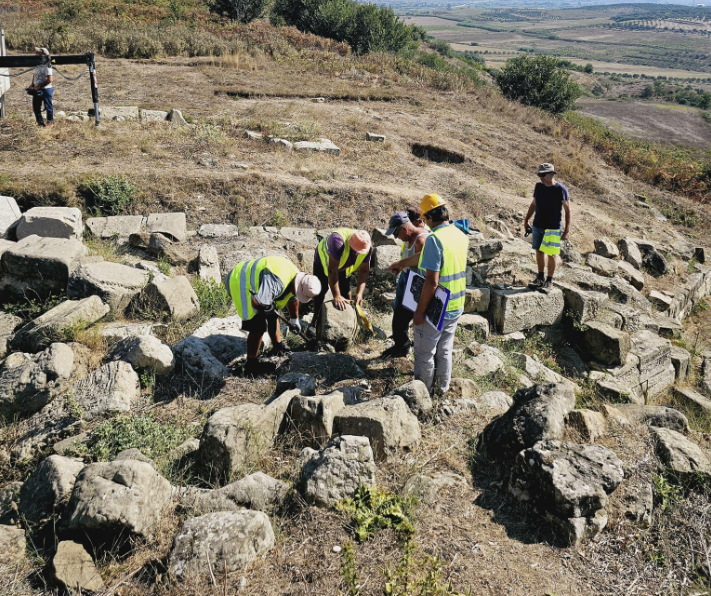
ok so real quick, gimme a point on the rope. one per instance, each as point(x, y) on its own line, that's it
point(71, 78)
point(12, 76)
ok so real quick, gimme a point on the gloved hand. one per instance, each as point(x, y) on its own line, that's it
point(295, 325)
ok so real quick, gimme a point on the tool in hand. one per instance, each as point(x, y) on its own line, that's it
point(280, 316)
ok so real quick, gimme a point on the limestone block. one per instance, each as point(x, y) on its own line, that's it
point(114, 283)
point(10, 215)
point(51, 222)
point(605, 344)
point(321, 146)
point(606, 248)
point(174, 297)
point(171, 225)
point(115, 226)
point(477, 300)
point(519, 309)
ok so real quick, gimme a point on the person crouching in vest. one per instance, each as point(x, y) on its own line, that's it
point(443, 261)
point(257, 288)
point(336, 258)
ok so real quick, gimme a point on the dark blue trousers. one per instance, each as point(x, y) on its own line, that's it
point(43, 96)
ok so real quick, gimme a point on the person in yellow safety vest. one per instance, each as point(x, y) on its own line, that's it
point(549, 196)
point(443, 261)
point(336, 258)
point(260, 286)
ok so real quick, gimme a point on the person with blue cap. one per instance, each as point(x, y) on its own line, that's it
point(407, 227)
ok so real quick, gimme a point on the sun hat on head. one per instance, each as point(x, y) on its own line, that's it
point(43, 51)
point(545, 168)
point(306, 287)
point(397, 220)
point(359, 241)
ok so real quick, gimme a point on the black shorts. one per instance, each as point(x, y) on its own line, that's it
point(260, 322)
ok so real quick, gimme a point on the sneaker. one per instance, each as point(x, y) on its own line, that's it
point(546, 287)
point(397, 351)
point(537, 283)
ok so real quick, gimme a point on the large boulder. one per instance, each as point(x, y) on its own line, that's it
point(679, 454)
point(257, 491)
point(601, 265)
point(234, 437)
point(630, 252)
point(483, 360)
point(224, 542)
point(173, 297)
point(29, 382)
point(337, 327)
point(115, 284)
point(53, 324)
point(519, 309)
point(604, 343)
point(582, 305)
point(200, 363)
point(383, 257)
point(73, 569)
point(387, 422)
point(112, 388)
point(48, 488)
point(538, 414)
point(144, 353)
point(633, 276)
point(337, 471)
point(655, 263)
point(312, 417)
point(118, 499)
point(569, 484)
point(656, 371)
point(51, 222)
point(40, 266)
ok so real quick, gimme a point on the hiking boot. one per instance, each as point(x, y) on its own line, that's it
point(547, 286)
point(254, 367)
point(537, 283)
point(396, 351)
point(280, 349)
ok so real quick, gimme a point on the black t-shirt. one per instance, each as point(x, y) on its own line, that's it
point(549, 202)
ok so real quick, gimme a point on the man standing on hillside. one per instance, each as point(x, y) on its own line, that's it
point(443, 261)
point(549, 196)
point(42, 90)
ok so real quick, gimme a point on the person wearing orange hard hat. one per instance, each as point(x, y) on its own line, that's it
point(338, 256)
point(443, 261)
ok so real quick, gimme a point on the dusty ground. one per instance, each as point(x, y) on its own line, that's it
point(484, 541)
point(664, 123)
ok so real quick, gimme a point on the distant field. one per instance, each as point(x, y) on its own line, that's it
point(429, 21)
point(667, 123)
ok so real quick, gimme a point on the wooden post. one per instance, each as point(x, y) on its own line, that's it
point(4, 80)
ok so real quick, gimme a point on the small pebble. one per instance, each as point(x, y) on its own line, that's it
point(336, 549)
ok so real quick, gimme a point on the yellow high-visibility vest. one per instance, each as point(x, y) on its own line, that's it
point(344, 233)
point(453, 275)
point(550, 244)
point(245, 277)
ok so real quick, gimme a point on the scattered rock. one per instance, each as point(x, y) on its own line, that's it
point(605, 344)
point(606, 248)
point(171, 225)
point(51, 222)
point(693, 400)
point(630, 252)
point(12, 545)
point(74, 569)
point(48, 488)
point(154, 115)
point(426, 489)
point(477, 300)
point(680, 454)
point(336, 327)
point(306, 384)
point(322, 146)
point(627, 272)
point(29, 382)
point(110, 389)
point(601, 265)
point(115, 226)
point(476, 323)
point(681, 360)
point(375, 138)
point(176, 117)
point(538, 413)
point(416, 396)
point(387, 422)
point(209, 264)
point(144, 353)
point(660, 416)
point(227, 541)
point(519, 309)
point(114, 284)
point(337, 471)
point(312, 417)
point(8, 324)
point(655, 263)
point(589, 424)
point(173, 297)
point(218, 231)
point(53, 324)
point(484, 360)
point(119, 498)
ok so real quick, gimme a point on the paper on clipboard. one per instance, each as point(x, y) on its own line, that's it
point(434, 315)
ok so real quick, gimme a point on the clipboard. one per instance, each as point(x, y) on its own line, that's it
point(437, 308)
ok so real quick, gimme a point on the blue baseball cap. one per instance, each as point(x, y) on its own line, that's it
point(397, 220)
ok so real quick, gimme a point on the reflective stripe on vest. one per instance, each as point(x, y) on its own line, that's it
point(344, 233)
point(453, 274)
point(550, 244)
point(245, 277)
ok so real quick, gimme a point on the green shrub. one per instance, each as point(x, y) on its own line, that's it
point(244, 11)
point(153, 438)
point(539, 82)
point(32, 306)
point(108, 196)
point(213, 297)
point(366, 27)
point(372, 509)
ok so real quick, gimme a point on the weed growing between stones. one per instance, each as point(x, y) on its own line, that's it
point(213, 297)
point(32, 307)
point(112, 195)
point(373, 509)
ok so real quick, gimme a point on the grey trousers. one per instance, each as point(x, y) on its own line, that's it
point(433, 353)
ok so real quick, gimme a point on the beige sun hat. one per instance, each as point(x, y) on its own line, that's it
point(306, 287)
point(545, 168)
